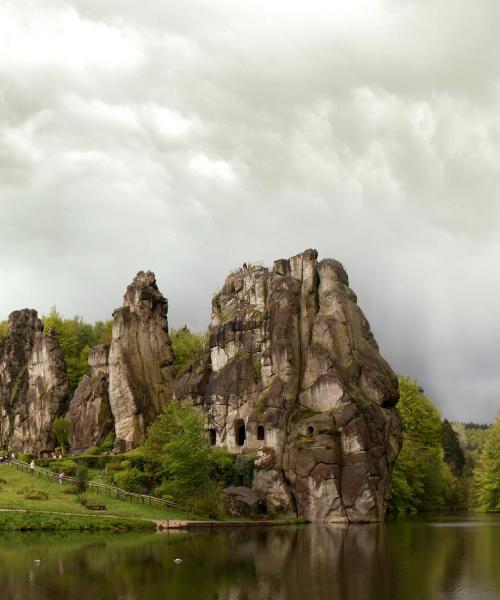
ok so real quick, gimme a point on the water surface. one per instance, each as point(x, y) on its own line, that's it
point(425, 559)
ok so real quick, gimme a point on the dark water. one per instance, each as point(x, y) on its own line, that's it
point(433, 559)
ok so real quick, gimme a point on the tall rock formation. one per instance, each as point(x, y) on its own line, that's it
point(33, 384)
point(90, 411)
point(140, 360)
point(294, 375)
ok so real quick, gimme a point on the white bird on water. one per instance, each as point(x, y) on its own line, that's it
point(177, 561)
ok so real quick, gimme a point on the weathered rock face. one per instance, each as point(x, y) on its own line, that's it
point(294, 374)
point(33, 384)
point(140, 361)
point(240, 501)
point(89, 411)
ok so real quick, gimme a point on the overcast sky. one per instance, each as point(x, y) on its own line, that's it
point(189, 136)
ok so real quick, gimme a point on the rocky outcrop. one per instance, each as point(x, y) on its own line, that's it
point(294, 375)
point(140, 361)
point(90, 411)
point(33, 384)
point(240, 501)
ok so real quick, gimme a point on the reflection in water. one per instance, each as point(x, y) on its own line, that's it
point(419, 560)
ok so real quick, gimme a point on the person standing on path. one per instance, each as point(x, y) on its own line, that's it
point(61, 477)
point(32, 466)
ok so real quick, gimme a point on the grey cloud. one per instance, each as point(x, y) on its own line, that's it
point(188, 137)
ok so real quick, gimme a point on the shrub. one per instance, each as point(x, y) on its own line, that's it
point(187, 346)
point(68, 467)
point(25, 457)
point(222, 466)
point(132, 480)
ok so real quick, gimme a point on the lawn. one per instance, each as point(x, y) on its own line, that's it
point(13, 496)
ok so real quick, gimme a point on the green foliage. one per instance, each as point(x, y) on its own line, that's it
point(222, 465)
point(107, 444)
point(61, 429)
point(453, 454)
point(68, 467)
point(82, 477)
point(132, 480)
point(243, 468)
point(421, 478)
point(187, 346)
point(4, 329)
point(177, 451)
point(487, 473)
point(257, 370)
point(25, 457)
point(76, 339)
point(261, 403)
point(39, 521)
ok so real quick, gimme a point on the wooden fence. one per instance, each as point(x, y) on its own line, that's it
point(101, 487)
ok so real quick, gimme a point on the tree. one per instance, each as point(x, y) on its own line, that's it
point(421, 478)
point(487, 473)
point(61, 429)
point(187, 346)
point(81, 476)
point(453, 454)
point(178, 452)
point(76, 338)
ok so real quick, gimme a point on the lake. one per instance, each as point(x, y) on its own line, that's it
point(452, 558)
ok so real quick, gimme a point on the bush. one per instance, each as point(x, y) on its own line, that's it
point(132, 480)
point(25, 457)
point(68, 467)
point(222, 465)
point(108, 443)
point(187, 346)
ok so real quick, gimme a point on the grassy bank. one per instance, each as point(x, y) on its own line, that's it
point(40, 521)
point(23, 491)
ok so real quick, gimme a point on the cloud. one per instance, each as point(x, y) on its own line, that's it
point(189, 137)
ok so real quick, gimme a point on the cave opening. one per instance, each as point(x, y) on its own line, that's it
point(240, 432)
point(212, 436)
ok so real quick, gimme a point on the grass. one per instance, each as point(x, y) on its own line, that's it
point(53, 499)
point(39, 521)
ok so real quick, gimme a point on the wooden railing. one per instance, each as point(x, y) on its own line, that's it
point(101, 487)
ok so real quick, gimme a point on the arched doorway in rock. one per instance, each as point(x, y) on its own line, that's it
point(212, 436)
point(261, 433)
point(310, 431)
point(240, 432)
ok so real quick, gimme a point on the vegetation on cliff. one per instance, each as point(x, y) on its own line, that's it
point(187, 346)
point(76, 339)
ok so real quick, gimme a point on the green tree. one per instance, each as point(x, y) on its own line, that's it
point(4, 329)
point(453, 454)
point(82, 477)
point(421, 478)
point(178, 452)
point(187, 346)
point(61, 429)
point(76, 338)
point(487, 473)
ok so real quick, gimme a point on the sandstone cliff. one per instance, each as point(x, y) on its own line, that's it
point(295, 376)
point(90, 411)
point(33, 384)
point(140, 361)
